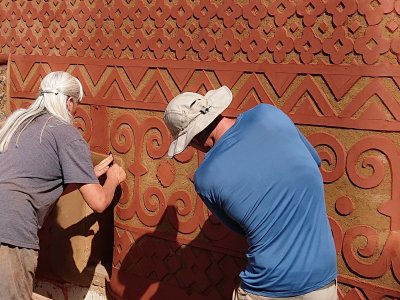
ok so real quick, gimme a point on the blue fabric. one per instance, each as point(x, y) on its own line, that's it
point(262, 180)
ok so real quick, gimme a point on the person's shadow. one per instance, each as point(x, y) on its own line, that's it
point(73, 254)
point(160, 267)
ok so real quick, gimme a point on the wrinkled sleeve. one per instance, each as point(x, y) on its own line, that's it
point(221, 215)
point(76, 163)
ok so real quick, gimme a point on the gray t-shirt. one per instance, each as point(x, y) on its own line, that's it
point(50, 154)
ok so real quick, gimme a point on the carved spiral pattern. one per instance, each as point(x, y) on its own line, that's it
point(184, 205)
point(122, 136)
point(83, 123)
point(151, 210)
point(365, 269)
point(373, 163)
point(156, 145)
point(324, 139)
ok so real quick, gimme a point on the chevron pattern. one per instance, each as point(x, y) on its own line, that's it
point(357, 101)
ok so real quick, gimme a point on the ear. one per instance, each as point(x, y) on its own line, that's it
point(70, 104)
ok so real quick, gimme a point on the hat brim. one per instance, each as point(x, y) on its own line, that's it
point(219, 100)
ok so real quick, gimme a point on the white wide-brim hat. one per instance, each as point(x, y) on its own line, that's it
point(190, 113)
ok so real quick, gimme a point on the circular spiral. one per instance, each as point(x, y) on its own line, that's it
point(122, 137)
point(83, 123)
point(339, 161)
point(381, 144)
point(155, 145)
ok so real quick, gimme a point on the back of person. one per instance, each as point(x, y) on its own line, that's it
point(42, 156)
point(32, 175)
point(262, 179)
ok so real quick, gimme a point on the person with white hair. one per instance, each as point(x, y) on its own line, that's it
point(43, 155)
point(261, 178)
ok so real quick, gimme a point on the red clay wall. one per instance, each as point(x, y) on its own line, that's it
point(333, 66)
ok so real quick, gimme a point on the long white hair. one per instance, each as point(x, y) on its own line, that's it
point(55, 89)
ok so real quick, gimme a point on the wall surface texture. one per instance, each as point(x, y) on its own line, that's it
point(332, 66)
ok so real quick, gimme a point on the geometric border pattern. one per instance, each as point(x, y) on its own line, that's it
point(280, 31)
point(334, 96)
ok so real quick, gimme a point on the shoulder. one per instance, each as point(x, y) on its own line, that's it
point(264, 107)
point(58, 126)
point(62, 131)
point(259, 110)
point(267, 111)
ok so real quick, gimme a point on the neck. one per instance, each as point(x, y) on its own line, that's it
point(223, 125)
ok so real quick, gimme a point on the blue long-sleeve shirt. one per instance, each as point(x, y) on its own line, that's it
point(262, 180)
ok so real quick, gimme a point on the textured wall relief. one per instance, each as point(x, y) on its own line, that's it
point(3, 98)
point(308, 31)
point(332, 66)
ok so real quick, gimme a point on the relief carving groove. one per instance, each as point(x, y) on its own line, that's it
point(332, 66)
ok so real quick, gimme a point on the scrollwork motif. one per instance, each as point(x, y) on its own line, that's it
point(324, 139)
point(121, 136)
point(83, 123)
point(156, 146)
point(127, 132)
point(389, 149)
point(374, 163)
point(151, 210)
point(370, 270)
point(390, 254)
point(186, 212)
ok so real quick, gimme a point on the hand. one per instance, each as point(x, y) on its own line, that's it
point(102, 167)
point(117, 172)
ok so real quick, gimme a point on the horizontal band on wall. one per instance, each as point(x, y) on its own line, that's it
point(359, 97)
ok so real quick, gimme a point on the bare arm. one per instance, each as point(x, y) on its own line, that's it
point(99, 197)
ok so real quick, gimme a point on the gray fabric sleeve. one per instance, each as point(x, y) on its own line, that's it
point(76, 163)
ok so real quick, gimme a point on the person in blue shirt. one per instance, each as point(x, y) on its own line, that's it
point(260, 177)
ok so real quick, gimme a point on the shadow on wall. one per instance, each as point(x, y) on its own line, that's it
point(74, 240)
point(157, 268)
